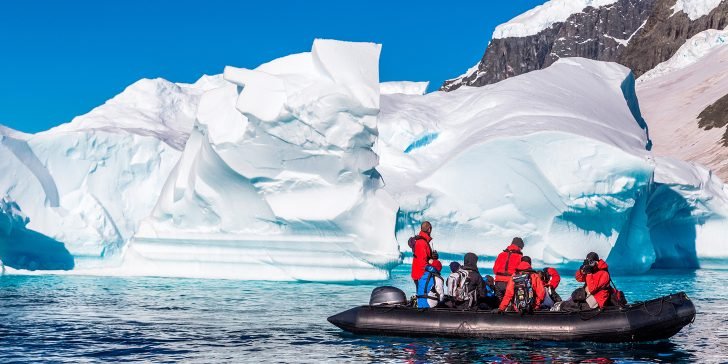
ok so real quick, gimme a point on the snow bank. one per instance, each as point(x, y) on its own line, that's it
point(695, 8)
point(544, 16)
point(694, 49)
point(403, 87)
point(278, 178)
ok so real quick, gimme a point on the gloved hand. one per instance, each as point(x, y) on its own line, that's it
point(496, 310)
point(435, 255)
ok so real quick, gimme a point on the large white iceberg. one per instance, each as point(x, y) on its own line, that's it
point(307, 168)
point(278, 179)
point(88, 183)
point(557, 157)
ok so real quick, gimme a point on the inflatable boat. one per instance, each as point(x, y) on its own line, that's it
point(387, 314)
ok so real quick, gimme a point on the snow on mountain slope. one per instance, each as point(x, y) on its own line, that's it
point(543, 16)
point(291, 192)
point(677, 91)
point(695, 8)
point(694, 49)
point(88, 184)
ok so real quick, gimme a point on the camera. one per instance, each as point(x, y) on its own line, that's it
point(435, 255)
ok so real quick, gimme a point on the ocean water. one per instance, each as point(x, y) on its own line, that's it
point(92, 319)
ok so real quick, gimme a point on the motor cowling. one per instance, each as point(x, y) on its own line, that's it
point(387, 295)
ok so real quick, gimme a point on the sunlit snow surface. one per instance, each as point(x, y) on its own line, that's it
point(543, 16)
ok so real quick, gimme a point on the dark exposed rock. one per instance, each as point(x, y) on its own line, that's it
point(664, 33)
point(715, 116)
point(653, 32)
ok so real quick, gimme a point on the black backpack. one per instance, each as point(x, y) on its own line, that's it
point(523, 297)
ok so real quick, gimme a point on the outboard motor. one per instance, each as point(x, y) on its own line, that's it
point(387, 295)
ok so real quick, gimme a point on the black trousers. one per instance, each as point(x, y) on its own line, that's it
point(500, 290)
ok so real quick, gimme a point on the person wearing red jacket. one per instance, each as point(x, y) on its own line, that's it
point(505, 265)
point(550, 278)
point(595, 275)
point(537, 288)
point(422, 251)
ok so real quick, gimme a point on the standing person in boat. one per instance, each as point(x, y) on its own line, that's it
point(524, 291)
point(430, 288)
point(422, 251)
point(505, 265)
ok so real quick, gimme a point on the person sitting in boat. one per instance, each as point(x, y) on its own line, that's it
point(422, 251)
point(596, 291)
point(489, 300)
point(466, 287)
point(430, 288)
point(524, 292)
point(453, 279)
point(594, 274)
point(550, 278)
point(505, 265)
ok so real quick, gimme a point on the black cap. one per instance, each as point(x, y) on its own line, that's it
point(592, 256)
point(454, 266)
point(518, 242)
point(526, 258)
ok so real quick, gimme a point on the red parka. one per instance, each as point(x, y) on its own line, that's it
point(422, 255)
point(536, 285)
point(506, 263)
point(597, 283)
point(554, 279)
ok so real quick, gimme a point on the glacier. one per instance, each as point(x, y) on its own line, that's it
point(308, 168)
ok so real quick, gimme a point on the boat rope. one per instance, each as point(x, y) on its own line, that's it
point(662, 305)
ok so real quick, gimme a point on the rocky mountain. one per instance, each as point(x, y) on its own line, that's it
point(639, 34)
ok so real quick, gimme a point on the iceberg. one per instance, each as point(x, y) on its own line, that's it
point(308, 168)
point(87, 184)
point(278, 179)
point(566, 170)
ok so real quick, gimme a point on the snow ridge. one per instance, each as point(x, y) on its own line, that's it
point(694, 49)
point(695, 8)
point(544, 16)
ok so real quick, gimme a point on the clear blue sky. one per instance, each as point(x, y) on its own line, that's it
point(59, 59)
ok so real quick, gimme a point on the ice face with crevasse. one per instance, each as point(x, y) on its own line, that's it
point(302, 169)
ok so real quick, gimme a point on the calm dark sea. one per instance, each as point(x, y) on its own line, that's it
point(89, 319)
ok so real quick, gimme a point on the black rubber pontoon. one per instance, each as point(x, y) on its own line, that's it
point(656, 319)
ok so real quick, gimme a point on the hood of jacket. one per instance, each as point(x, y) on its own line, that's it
point(514, 248)
point(470, 261)
point(425, 236)
point(523, 266)
point(602, 265)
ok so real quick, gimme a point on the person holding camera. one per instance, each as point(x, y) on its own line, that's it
point(596, 277)
point(422, 251)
